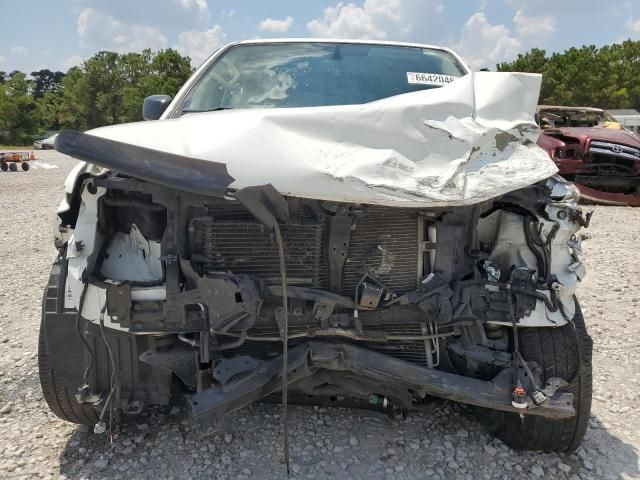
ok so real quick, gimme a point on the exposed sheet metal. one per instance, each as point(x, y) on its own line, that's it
point(131, 257)
point(466, 142)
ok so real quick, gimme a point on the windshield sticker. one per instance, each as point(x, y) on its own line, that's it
point(429, 78)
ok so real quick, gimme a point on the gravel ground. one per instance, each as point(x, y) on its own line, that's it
point(446, 442)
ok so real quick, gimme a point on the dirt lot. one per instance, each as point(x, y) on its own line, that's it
point(447, 442)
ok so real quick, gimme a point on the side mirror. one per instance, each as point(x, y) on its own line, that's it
point(154, 106)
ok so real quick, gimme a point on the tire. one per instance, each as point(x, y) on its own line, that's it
point(25, 166)
point(61, 401)
point(13, 167)
point(563, 352)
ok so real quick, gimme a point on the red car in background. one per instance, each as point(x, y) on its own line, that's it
point(594, 151)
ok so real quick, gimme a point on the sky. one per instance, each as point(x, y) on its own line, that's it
point(59, 34)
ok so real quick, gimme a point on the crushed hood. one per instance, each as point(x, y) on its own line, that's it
point(463, 143)
point(582, 134)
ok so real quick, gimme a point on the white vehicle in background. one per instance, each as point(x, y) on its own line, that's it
point(341, 222)
point(46, 144)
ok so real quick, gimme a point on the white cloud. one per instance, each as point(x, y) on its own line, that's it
point(345, 21)
point(99, 30)
point(539, 26)
point(378, 19)
point(563, 7)
point(483, 44)
point(633, 26)
point(3, 61)
point(200, 45)
point(18, 51)
point(72, 61)
point(201, 5)
point(275, 26)
point(169, 14)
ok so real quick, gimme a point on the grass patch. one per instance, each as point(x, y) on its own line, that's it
point(15, 147)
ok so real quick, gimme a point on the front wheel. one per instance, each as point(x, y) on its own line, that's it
point(59, 397)
point(563, 352)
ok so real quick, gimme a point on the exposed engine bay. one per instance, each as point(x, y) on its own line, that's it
point(379, 305)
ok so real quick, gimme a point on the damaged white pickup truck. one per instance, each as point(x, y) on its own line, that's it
point(352, 223)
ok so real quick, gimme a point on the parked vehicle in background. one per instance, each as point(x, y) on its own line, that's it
point(342, 222)
point(594, 151)
point(45, 144)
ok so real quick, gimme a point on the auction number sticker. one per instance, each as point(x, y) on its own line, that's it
point(429, 78)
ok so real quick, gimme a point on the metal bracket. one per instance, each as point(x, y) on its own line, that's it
point(230, 301)
point(181, 360)
point(119, 303)
point(339, 236)
point(553, 384)
point(228, 369)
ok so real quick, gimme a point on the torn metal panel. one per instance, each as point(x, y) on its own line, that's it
point(265, 204)
point(468, 141)
point(131, 257)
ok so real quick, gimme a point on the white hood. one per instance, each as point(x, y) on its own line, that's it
point(463, 143)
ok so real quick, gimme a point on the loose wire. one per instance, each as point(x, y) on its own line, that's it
point(86, 344)
point(285, 343)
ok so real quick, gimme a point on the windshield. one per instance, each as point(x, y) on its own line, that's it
point(317, 74)
point(559, 117)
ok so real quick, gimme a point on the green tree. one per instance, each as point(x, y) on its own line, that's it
point(108, 88)
point(72, 112)
point(607, 77)
point(104, 84)
point(17, 107)
point(163, 72)
point(169, 71)
point(45, 81)
point(115, 85)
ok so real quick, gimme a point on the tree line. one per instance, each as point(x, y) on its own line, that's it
point(606, 77)
point(107, 88)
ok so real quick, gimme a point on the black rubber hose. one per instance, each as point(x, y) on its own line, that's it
point(540, 258)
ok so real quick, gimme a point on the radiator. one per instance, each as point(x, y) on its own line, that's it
point(385, 242)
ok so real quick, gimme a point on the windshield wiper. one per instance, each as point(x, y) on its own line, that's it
point(188, 110)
